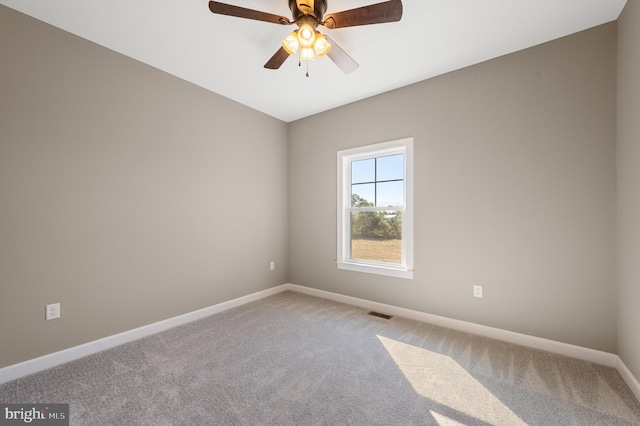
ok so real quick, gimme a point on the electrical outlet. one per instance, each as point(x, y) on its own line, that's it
point(477, 291)
point(53, 311)
point(272, 266)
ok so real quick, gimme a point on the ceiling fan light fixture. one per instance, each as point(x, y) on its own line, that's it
point(291, 43)
point(307, 54)
point(306, 35)
point(321, 46)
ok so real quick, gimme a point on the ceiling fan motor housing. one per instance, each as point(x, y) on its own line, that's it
point(319, 8)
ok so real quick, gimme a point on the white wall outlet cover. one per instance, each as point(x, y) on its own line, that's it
point(477, 291)
point(53, 311)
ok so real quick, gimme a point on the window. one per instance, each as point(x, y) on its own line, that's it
point(375, 215)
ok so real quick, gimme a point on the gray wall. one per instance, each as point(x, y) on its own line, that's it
point(629, 186)
point(126, 194)
point(514, 190)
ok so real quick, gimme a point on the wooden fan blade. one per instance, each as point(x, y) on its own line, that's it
point(341, 58)
point(277, 60)
point(388, 11)
point(242, 12)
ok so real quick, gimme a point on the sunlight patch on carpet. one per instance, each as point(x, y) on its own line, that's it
point(443, 420)
point(441, 379)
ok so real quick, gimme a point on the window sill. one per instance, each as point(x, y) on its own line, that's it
point(375, 269)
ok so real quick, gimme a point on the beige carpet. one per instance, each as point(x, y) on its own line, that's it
point(296, 359)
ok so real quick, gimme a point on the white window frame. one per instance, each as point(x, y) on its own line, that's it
point(345, 158)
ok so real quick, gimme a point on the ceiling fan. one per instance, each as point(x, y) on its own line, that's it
point(307, 41)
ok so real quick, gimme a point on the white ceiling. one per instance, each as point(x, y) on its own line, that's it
point(226, 54)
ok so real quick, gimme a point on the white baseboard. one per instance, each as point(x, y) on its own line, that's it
point(35, 365)
point(629, 378)
point(578, 352)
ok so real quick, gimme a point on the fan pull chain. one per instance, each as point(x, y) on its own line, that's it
point(300, 63)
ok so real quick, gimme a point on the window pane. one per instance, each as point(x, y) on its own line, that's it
point(390, 167)
point(363, 171)
point(363, 195)
point(390, 194)
point(376, 236)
